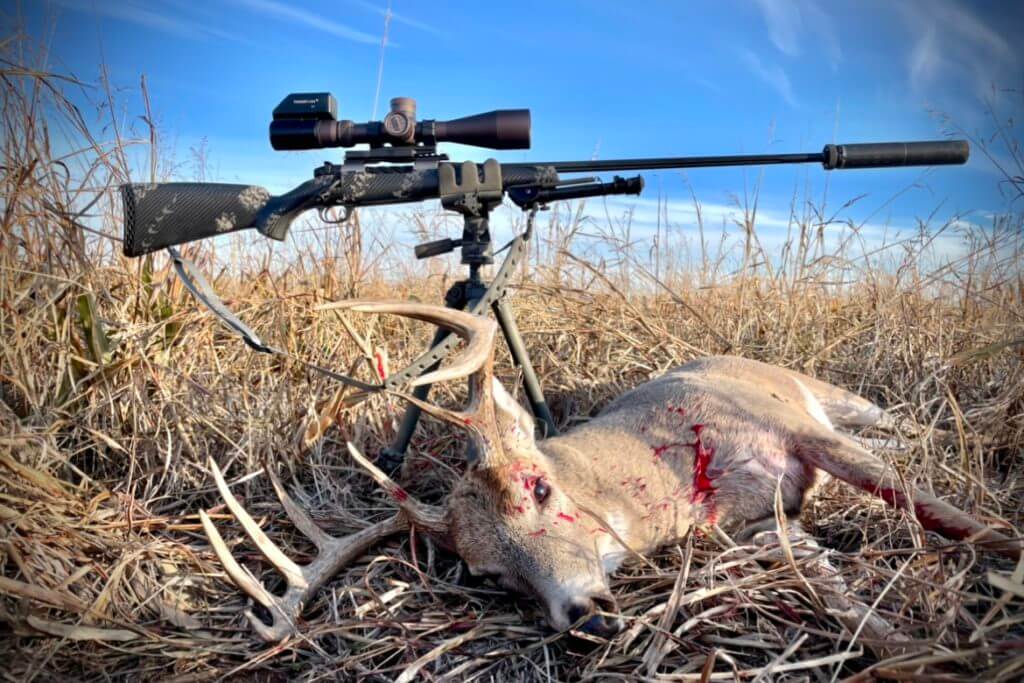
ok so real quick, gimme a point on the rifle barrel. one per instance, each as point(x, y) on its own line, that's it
point(680, 162)
point(862, 155)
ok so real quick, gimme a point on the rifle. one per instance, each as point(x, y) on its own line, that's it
point(402, 165)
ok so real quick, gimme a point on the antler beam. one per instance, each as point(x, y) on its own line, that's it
point(333, 552)
point(473, 361)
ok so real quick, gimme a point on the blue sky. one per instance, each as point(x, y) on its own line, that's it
point(611, 79)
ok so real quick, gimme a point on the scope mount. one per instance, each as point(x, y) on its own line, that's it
point(421, 156)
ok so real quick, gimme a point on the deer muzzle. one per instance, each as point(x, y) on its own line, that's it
point(597, 616)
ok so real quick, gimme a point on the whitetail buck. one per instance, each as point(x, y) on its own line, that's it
point(714, 441)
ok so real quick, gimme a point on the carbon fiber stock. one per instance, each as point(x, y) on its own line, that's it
point(159, 215)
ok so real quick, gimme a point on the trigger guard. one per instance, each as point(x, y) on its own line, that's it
point(348, 211)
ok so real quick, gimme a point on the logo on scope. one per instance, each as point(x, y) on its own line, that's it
point(396, 124)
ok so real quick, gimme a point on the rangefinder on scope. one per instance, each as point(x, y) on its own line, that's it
point(309, 121)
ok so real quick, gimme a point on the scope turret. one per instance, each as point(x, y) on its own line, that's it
point(309, 121)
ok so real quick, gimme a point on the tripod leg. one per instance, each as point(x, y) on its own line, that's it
point(457, 297)
point(390, 459)
point(503, 312)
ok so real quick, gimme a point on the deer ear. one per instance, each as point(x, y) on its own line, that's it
point(514, 423)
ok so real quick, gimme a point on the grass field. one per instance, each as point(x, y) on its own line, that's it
point(116, 388)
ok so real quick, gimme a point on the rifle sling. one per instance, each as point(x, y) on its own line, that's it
point(200, 288)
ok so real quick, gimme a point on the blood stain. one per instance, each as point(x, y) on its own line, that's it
point(928, 519)
point(703, 487)
point(789, 611)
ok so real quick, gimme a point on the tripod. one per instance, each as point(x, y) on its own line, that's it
point(476, 251)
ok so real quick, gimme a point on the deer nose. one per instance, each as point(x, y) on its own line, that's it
point(598, 624)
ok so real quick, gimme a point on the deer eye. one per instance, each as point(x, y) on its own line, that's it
point(541, 491)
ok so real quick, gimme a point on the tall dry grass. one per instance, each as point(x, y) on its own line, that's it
point(115, 389)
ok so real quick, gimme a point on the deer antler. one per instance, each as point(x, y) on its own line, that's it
point(333, 553)
point(474, 361)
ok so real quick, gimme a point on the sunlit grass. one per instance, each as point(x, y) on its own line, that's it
point(116, 388)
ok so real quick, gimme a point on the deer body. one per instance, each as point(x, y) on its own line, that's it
point(698, 446)
point(674, 454)
point(708, 443)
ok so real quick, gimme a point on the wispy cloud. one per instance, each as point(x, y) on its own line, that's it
point(174, 22)
point(316, 21)
point(772, 74)
point(792, 24)
point(381, 9)
point(784, 24)
point(950, 43)
point(925, 59)
point(710, 84)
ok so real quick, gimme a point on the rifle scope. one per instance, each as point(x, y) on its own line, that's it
point(309, 121)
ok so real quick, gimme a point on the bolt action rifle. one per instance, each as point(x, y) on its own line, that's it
point(402, 165)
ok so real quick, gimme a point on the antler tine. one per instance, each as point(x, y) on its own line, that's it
point(242, 578)
point(292, 572)
point(478, 332)
point(303, 522)
point(334, 553)
point(430, 518)
point(282, 625)
point(475, 361)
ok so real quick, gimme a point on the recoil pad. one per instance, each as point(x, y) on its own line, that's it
point(158, 215)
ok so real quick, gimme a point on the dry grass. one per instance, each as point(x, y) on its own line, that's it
point(116, 388)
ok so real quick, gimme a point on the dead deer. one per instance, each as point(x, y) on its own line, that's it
point(717, 441)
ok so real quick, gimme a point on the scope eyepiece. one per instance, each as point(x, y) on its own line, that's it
point(309, 121)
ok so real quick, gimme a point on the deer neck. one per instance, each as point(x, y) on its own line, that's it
point(614, 479)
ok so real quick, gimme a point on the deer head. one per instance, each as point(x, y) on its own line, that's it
point(512, 519)
point(503, 513)
point(501, 517)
